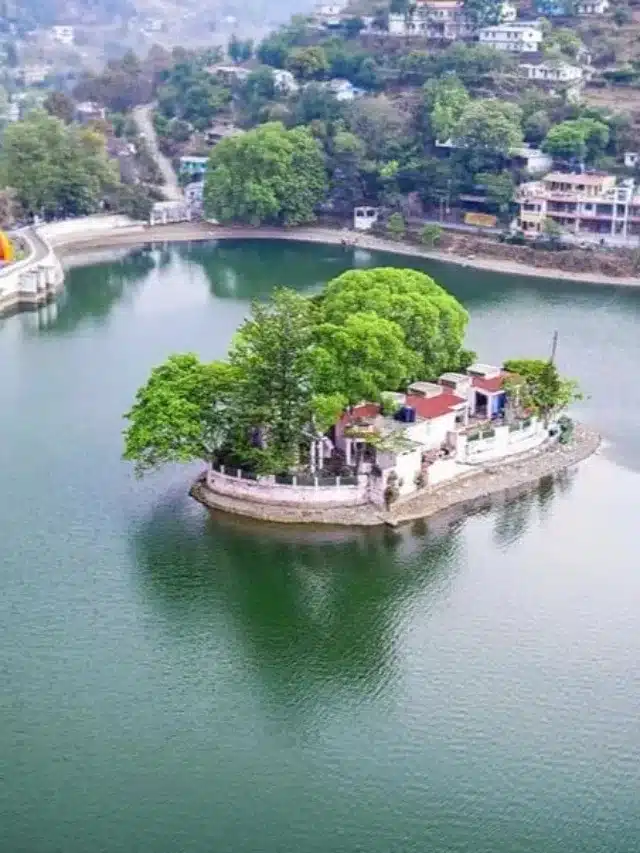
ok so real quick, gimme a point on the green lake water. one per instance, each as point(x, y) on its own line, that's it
point(173, 683)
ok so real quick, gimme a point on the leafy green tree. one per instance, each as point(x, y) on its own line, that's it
point(382, 125)
point(431, 235)
point(552, 230)
point(308, 63)
point(432, 320)
point(563, 42)
point(56, 169)
point(274, 50)
point(59, 105)
point(9, 207)
point(317, 103)
point(489, 125)
point(622, 16)
point(181, 414)
point(239, 50)
point(347, 152)
point(536, 126)
point(499, 188)
point(584, 138)
point(282, 177)
point(396, 227)
point(271, 355)
point(362, 357)
point(445, 100)
point(538, 386)
point(352, 27)
point(482, 13)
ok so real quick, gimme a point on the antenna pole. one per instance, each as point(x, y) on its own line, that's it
point(554, 347)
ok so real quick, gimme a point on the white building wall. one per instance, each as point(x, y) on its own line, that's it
point(502, 444)
point(432, 433)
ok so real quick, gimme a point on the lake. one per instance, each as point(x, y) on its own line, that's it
point(176, 683)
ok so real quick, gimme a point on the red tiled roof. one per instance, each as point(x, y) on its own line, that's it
point(433, 407)
point(492, 385)
point(365, 410)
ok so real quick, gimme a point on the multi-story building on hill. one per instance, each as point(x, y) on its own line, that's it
point(589, 206)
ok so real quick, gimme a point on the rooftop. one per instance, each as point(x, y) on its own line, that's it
point(428, 408)
point(492, 385)
point(578, 178)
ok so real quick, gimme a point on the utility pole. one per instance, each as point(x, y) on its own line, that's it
point(554, 347)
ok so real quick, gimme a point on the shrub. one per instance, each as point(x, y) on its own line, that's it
point(431, 235)
point(396, 227)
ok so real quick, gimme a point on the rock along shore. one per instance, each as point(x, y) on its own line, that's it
point(466, 493)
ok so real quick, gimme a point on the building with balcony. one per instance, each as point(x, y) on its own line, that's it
point(585, 206)
point(193, 167)
point(433, 19)
point(591, 7)
point(553, 72)
point(556, 76)
point(516, 37)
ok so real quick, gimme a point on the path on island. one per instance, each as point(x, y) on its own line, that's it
point(143, 117)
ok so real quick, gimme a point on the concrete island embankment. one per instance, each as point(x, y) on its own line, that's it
point(349, 504)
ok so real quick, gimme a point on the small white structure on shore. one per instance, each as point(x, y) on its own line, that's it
point(170, 213)
point(364, 218)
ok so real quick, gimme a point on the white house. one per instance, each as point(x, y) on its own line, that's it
point(284, 81)
point(343, 90)
point(364, 218)
point(591, 7)
point(34, 74)
point(517, 37)
point(440, 19)
point(168, 212)
point(63, 35)
point(439, 429)
point(533, 160)
point(433, 19)
point(554, 72)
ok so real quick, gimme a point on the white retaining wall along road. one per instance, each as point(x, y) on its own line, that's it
point(265, 490)
point(34, 280)
point(84, 229)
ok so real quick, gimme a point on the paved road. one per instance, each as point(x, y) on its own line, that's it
point(143, 117)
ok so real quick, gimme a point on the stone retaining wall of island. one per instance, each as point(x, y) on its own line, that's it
point(307, 492)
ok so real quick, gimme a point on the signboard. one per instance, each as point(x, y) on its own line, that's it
point(480, 220)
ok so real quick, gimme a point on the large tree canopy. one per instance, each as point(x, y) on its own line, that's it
point(293, 367)
point(180, 414)
point(269, 174)
point(55, 169)
point(433, 321)
point(539, 387)
point(362, 357)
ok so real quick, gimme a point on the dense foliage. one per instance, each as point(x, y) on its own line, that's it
point(293, 367)
point(538, 386)
point(55, 169)
point(268, 175)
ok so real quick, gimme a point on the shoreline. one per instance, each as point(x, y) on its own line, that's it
point(203, 232)
point(464, 494)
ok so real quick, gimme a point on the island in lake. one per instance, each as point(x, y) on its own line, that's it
point(359, 405)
